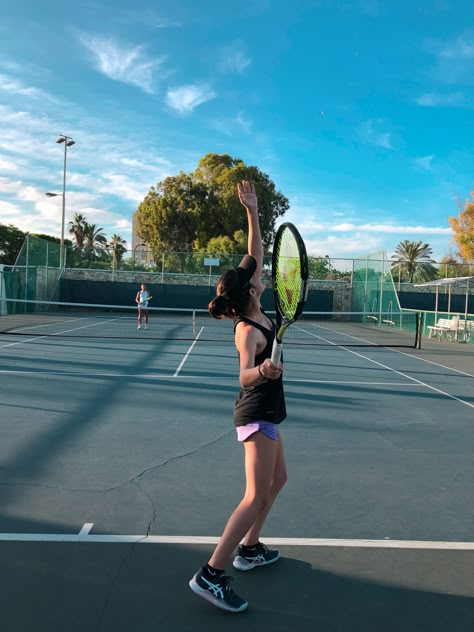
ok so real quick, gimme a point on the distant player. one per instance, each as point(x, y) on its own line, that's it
point(141, 299)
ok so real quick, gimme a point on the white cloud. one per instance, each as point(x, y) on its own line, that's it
point(343, 246)
point(9, 186)
point(14, 86)
point(147, 17)
point(123, 224)
point(44, 216)
point(459, 49)
point(7, 209)
point(455, 60)
point(244, 122)
point(154, 164)
point(128, 65)
point(234, 58)
point(347, 227)
point(186, 98)
point(124, 187)
point(7, 165)
point(109, 170)
point(370, 135)
point(433, 99)
point(229, 127)
point(424, 162)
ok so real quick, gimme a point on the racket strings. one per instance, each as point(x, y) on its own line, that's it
point(288, 281)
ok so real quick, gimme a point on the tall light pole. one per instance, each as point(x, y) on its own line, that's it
point(68, 142)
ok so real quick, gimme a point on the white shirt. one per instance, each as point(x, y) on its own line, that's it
point(144, 294)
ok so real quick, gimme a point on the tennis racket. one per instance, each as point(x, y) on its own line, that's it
point(290, 282)
point(147, 299)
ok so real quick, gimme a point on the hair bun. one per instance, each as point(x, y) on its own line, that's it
point(219, 307)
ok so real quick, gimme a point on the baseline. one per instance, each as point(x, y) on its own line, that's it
point(85, 536)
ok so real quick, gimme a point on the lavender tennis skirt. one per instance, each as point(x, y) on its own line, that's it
point(266, 427)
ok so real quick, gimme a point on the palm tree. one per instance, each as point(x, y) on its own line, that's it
point(77, 227)
point(413, 261)
point(94, 240)
point(118, 247)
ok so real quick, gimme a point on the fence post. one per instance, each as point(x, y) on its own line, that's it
point(26, 267)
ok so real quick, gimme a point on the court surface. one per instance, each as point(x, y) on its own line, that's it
point(119, 467)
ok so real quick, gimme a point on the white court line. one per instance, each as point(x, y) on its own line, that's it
point(339, 333)
point(176, 373)
point(86, 527)
point(60, 333)
point(442, 366)
point(371, 344)
point(172, 539)
point(70, 320)
point(384, 366)
point(205, 378)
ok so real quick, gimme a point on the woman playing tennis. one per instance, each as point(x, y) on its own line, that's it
point(259, 408)
point(141, 299)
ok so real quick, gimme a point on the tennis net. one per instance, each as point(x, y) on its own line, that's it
point(46, 318)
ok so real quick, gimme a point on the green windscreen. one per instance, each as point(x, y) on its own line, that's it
point(36, 273)
point(373, 289)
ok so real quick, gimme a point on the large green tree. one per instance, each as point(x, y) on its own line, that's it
point(413, 261)
point(463, 229)
point(11, 240)
point(319, 267)
point(186, 212)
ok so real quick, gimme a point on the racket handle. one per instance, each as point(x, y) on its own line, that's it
point(276, 353)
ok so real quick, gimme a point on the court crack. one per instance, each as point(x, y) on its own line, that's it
point(132, 480)
point(126, 557)
point(179, 456)
point(135, 481)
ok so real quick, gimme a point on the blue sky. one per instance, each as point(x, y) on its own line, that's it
point(360, 111)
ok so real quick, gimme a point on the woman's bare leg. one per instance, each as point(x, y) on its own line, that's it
point(260, 460)
point(279, 479)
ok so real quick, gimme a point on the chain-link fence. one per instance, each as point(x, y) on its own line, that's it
point(374, 279)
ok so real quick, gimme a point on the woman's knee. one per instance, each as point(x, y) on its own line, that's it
point(257, 501)
point(279, 480)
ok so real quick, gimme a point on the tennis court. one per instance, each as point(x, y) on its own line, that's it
point(120, 466)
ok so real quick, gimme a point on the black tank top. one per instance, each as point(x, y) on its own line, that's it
point(265, 401)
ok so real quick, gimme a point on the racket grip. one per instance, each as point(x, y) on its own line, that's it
point(276, 353)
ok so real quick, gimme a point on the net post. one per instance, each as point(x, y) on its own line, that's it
point(382, 278)
point(47, 271)
point(419, 329)
point(26, 266)
point(194, 323)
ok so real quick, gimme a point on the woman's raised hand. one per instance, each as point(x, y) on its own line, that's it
point(247, 196)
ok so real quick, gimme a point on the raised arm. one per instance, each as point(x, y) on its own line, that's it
point(248, 199)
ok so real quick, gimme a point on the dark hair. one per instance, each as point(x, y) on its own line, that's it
point(232, 298)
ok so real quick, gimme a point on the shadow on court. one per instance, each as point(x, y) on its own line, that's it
point(77, 587)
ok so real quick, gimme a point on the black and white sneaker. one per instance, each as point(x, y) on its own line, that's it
point(259, 555)
point(217, 590)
